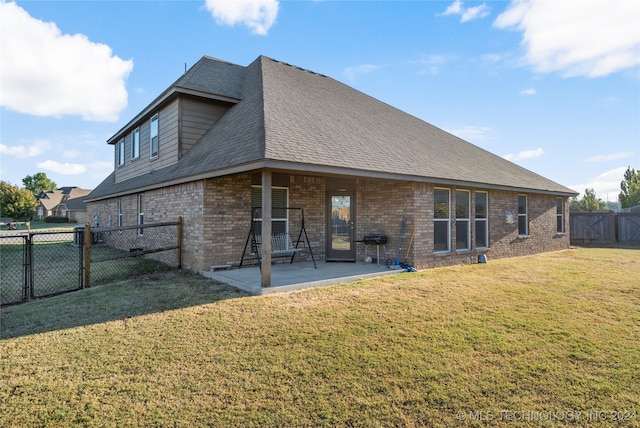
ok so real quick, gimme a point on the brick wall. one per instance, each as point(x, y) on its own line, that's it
point(382, 205)
point(308, 192)
point(227, 219)
point(216, 219)
point(162, 205)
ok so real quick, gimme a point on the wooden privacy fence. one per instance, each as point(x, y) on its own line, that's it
point(605, 227)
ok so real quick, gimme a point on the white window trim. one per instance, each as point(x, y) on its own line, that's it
point(463, 219)
point(119, 211)
point(447, 220)
point(561, 215)
point(135, 135)
point(120, 151)
point(157, 118)
point(140, 213)
point(485, 220)
point(285, 219)
point(525, 215)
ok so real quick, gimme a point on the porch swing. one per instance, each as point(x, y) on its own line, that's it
point(282, 243)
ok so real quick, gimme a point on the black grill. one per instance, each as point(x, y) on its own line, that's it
point(375, 239)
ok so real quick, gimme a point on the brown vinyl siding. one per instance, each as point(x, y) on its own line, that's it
point(167, 148)
point(168, 140)
point(197, 117)
point(181, 124)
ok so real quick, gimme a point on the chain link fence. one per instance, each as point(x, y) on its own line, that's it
point(41, 264)
point(126, 251)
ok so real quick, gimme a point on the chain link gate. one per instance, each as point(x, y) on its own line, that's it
point(14, 269)
point(42, 264)
point(37, 265)
point(55, 264)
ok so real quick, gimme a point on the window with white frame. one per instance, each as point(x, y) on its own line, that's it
point(279, 215)
point(119, 211)
point(523, 217)
point(441, 223)
point(560, 215)
point(482, 220)
point(463, 222)
point(135, 144)
point(120, 153)
point(140, 214)
point(153, 139)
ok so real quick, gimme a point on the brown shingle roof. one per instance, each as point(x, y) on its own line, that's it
point(292, 118)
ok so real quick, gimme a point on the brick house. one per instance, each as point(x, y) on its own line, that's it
point(63, 202)
point(225, 138)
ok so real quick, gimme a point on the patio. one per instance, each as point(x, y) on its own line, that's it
point(298, 276)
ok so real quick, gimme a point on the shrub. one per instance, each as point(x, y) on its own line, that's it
point(52, 219)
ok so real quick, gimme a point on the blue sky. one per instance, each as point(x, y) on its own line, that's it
point(553, 86)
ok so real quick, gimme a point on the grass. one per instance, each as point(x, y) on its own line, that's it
point(546, 334)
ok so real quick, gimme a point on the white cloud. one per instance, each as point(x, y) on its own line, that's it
point(354, 71)
point(258, 15)
point(610, 157)
point(472, 13)
point(46, 73)
point(606, 185)
point(430, 64)
point(528, 91)
point(70, 153)
point(466, 13)
point(62, 168)
point(491, 58)
point(576, 38)
point(21, 152)
point(470, 133)
point(100, 169)
point(525, 154)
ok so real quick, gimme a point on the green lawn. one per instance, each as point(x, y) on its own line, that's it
point(517, 342)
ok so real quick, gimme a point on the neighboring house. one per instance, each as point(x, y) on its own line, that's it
point(224, 137)
point(63, 202)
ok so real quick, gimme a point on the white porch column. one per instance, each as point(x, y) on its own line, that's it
point(266, 228)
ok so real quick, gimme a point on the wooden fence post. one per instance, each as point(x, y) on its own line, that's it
point(87, 255)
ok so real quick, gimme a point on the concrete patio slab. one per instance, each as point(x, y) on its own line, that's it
point(298, 276)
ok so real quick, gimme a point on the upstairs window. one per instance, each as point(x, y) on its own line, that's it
point(120, 153)
point(482, 220)
point(560, 215)
point(523, 218)
point(135, 144)
point(463, 229)
point(441, 224)
point(153, 142)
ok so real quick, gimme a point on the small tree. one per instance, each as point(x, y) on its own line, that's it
point(38, 183)
point(16, 203)
point(574, 204)
point(590, 201)
point(630, 195)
